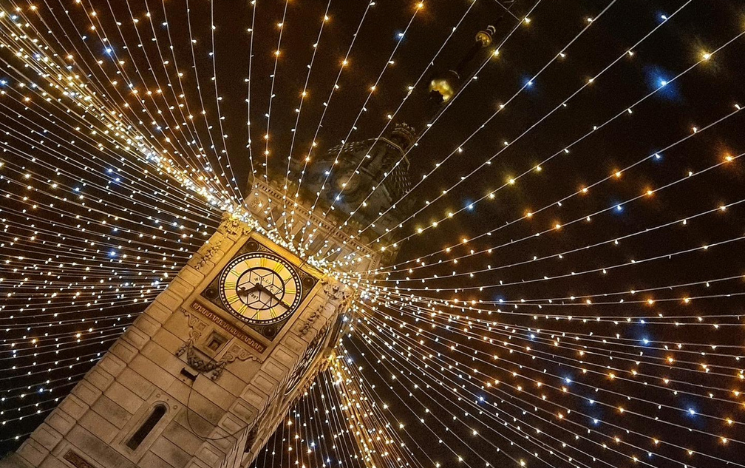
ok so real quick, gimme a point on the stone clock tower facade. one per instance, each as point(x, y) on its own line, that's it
point(203, 376)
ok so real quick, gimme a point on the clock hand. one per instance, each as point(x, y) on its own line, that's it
point(261, 286)
point(243, 290)
point(282, 303)
point(274, 296)
point(257, 287)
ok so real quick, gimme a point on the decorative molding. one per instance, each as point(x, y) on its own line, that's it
point(77, 461)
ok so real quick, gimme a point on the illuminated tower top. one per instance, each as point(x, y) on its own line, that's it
point(360, 187)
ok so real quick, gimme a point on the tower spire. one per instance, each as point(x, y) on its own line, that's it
point(444, 85)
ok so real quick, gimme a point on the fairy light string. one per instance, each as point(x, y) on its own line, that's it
point(584, 190)
point(390, 119)
point(495, 339)
point(515, 388)
point(298, 111)
point(615, 240)
point(372, 89)
point(176, 140)
point(626, 109)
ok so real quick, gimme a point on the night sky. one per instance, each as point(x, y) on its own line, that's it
point(568, 290)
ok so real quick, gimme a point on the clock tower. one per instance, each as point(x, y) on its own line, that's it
point(203, 376)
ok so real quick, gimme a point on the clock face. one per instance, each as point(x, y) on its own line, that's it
point(260, 288)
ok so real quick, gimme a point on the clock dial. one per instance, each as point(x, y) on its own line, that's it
point(260, 288)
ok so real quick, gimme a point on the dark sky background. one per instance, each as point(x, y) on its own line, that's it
point(522, 335)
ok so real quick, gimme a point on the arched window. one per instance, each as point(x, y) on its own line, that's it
point(146, 427)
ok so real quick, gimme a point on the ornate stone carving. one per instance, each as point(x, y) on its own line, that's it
point(196, 327)
point(308, 358)
point(251, 438)
point(238, 352)
point(308, 324)
point(233, 226)
point(201, 365)
point(206, 364)
point(209, 255)
point(215, 366)
point(335, 291)
point(225, 325)
point(254, 204)
point(340, 294)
